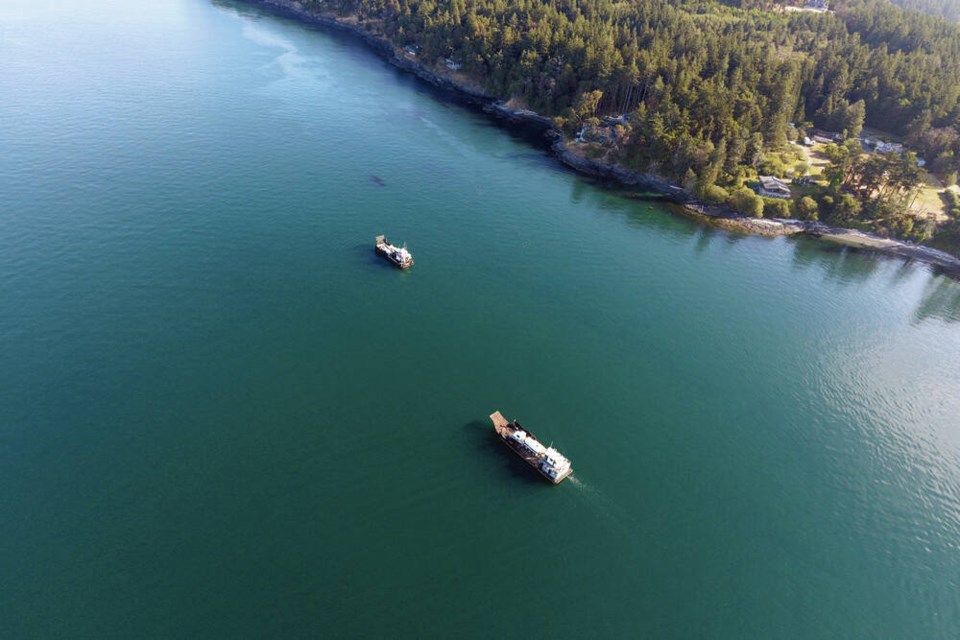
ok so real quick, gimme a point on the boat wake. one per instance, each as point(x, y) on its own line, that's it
point(608, 510)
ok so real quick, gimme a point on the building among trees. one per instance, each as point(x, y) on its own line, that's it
point(773, 187)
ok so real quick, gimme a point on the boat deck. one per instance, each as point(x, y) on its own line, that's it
point(504, 428)
point(389, 251)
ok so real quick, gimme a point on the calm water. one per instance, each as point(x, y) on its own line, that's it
point(221, 415)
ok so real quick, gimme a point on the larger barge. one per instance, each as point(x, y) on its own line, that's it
point(551, 464)
point(399, 256)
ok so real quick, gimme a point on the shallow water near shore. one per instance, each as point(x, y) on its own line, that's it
point(222, 415)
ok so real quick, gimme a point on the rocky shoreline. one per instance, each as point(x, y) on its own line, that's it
point(719, 216)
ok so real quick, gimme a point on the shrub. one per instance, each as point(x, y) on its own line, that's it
point(595, 152)
point(748, 203)
point(712, 194)
point(807, 208)
point(776, 208)
point(951, 197)
point(846, 209)
point(833, 152)
point(772, 165)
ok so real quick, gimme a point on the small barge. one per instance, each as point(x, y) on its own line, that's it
point(551, 464)
point(399, 256)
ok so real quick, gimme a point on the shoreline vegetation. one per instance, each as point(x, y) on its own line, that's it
point(459, 86)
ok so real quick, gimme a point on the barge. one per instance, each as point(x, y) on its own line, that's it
point(399, 256)
point(551, 464)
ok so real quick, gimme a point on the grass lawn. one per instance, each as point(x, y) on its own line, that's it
point(815, 159)
point(928, 201)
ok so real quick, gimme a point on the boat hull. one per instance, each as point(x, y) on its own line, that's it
point(393, 261)
point(504, 430)
point(383, 248)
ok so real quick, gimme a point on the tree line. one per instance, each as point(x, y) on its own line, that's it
point(708, 87)
point(697, 71)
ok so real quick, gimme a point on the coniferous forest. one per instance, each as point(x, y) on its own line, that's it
point(710, 90)
point(947, 9)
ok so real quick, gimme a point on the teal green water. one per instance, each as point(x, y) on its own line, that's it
point(222, 416)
